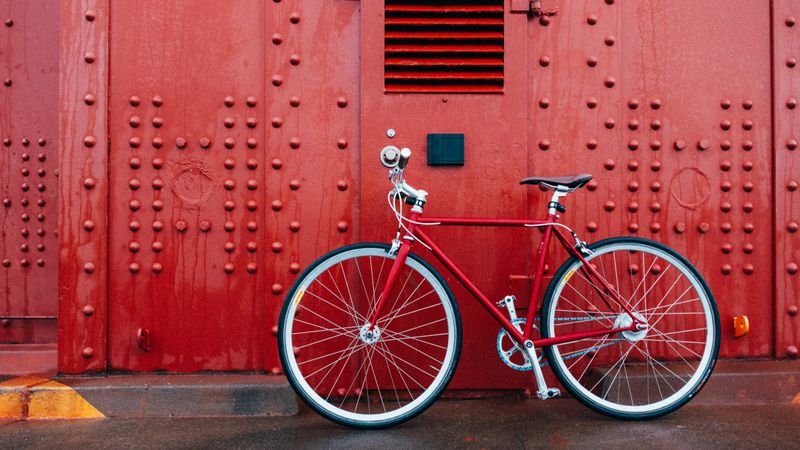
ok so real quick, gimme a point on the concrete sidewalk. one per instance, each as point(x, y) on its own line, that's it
point(736, 383)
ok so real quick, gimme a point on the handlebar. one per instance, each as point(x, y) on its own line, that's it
point(397, 160)
point(405, 155)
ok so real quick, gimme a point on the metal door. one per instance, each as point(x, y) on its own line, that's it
point(668, 105)
point(495, 156)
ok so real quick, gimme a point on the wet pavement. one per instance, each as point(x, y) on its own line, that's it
point(505, 422)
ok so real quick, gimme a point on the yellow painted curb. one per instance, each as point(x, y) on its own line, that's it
point(40, 398)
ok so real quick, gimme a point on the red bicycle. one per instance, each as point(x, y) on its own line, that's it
point(370, 333)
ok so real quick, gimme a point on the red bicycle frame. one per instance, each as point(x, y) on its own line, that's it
point(550, 230)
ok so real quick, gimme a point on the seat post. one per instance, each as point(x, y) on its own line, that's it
point(559, 193)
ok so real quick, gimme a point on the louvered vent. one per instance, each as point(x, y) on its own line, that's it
point(443, 46)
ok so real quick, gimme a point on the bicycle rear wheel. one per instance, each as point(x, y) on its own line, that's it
point(361, 377)
point(633, 374)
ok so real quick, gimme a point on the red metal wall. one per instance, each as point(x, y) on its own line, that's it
point(210, 153)
point(28, 170)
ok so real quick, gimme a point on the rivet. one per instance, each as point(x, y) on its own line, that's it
point(88, 352)
point(725, 186)
point(7, 202)
point(134, 225)
point(591, 19)
point(609, 82)
point(252, 143)
point(544, 61)
point(251, 101)
point(789, 21)
point(725, 124)
point(157, 184)
point(89, 99)
point(655, 145)
point(294, 143)
point(544, 103)
point(748, 248)
point(633, 165)
point(747, 104)
point(229, 184)
point(25, 142)
point(609, 123)
point(748, 269)
point(791, 268)
point(159, 225)
point(252, 227)
point(134, 184)
point(157, 101)
point(655, 227)
point(276, 247)
point(791, 144)
point(157, 122)
point(655, 207)
point(633, 144)
point(294, 267)
point(205, 142)
point(792, 351)
point(252, 247)
point(591, 227)
point(157, 142)
point(633, 227)
point(277, 205)
point(342, 143)
point(8, 82)
point(680, 227)
point(633, 124)
point(609, 40)
point(747, 166)
point(277, 80)
point(229, 163)
point(726, 206)
point(180, 142)
point(294, 18)
point(252, 184)
point(25, 172)
point(90, 15)
point(725, 104)
point(89, 57)
point(89, 141)
point(725, 145)
point(25, 187)
point(88, 267)
point(252, 205)
point(591, 144)
point(134, 247)
point(277, 39)
point(342, 226)
point(134, 267)
point(726, 269)
point(609, 206)
point(276, 289)
point(252, 122)
point(726, 248)
point(703, 144)
point(748, 227)
point(591, 61)
point(592, 185)
point(252, 267)
point(229, 142)
point(544, 144)
point(294, 102)
point(88, 310)
point(205, 226)
point(157, 267)
point(277, 164)
point(180, 226)
point(633, 207)
point(252, 164)
point(792, 227)
point(704, 227)
point(341, 102)
point(747, 145)
point(135, 205)
point(633, 186)
point(134, 142)
point(229, 101)
point(294, 226)
point(89, 183)
point(655, 103)
point(792, 310)
point(157, 246)
point(228, 268)
point(748, 186)
point(544, 21)
point(158, 163)
point(229, 226)
point(609, 164)
point(726, 227)
point(229, 205)
point(229, 247)
point(7, 142)
point(655, 125)
point(134, 100)
point(791, 62)
point(341, 185)
point(655, 166)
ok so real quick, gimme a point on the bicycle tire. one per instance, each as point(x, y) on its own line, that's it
point(331, 276)
point(674, 357)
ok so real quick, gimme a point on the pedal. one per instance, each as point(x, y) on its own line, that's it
point(547, 394)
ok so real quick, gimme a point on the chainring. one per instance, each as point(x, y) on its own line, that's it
point(510, 352)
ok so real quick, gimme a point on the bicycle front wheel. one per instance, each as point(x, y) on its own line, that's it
point(632, 374)
point(362, 376)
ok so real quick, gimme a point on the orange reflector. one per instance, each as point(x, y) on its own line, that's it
point(741, 326)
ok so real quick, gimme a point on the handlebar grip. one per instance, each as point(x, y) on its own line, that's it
point(405, 154)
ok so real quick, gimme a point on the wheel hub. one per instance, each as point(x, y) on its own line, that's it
point(624, 321)
point(369, 336)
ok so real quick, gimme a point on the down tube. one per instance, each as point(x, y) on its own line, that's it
point(470, 286)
